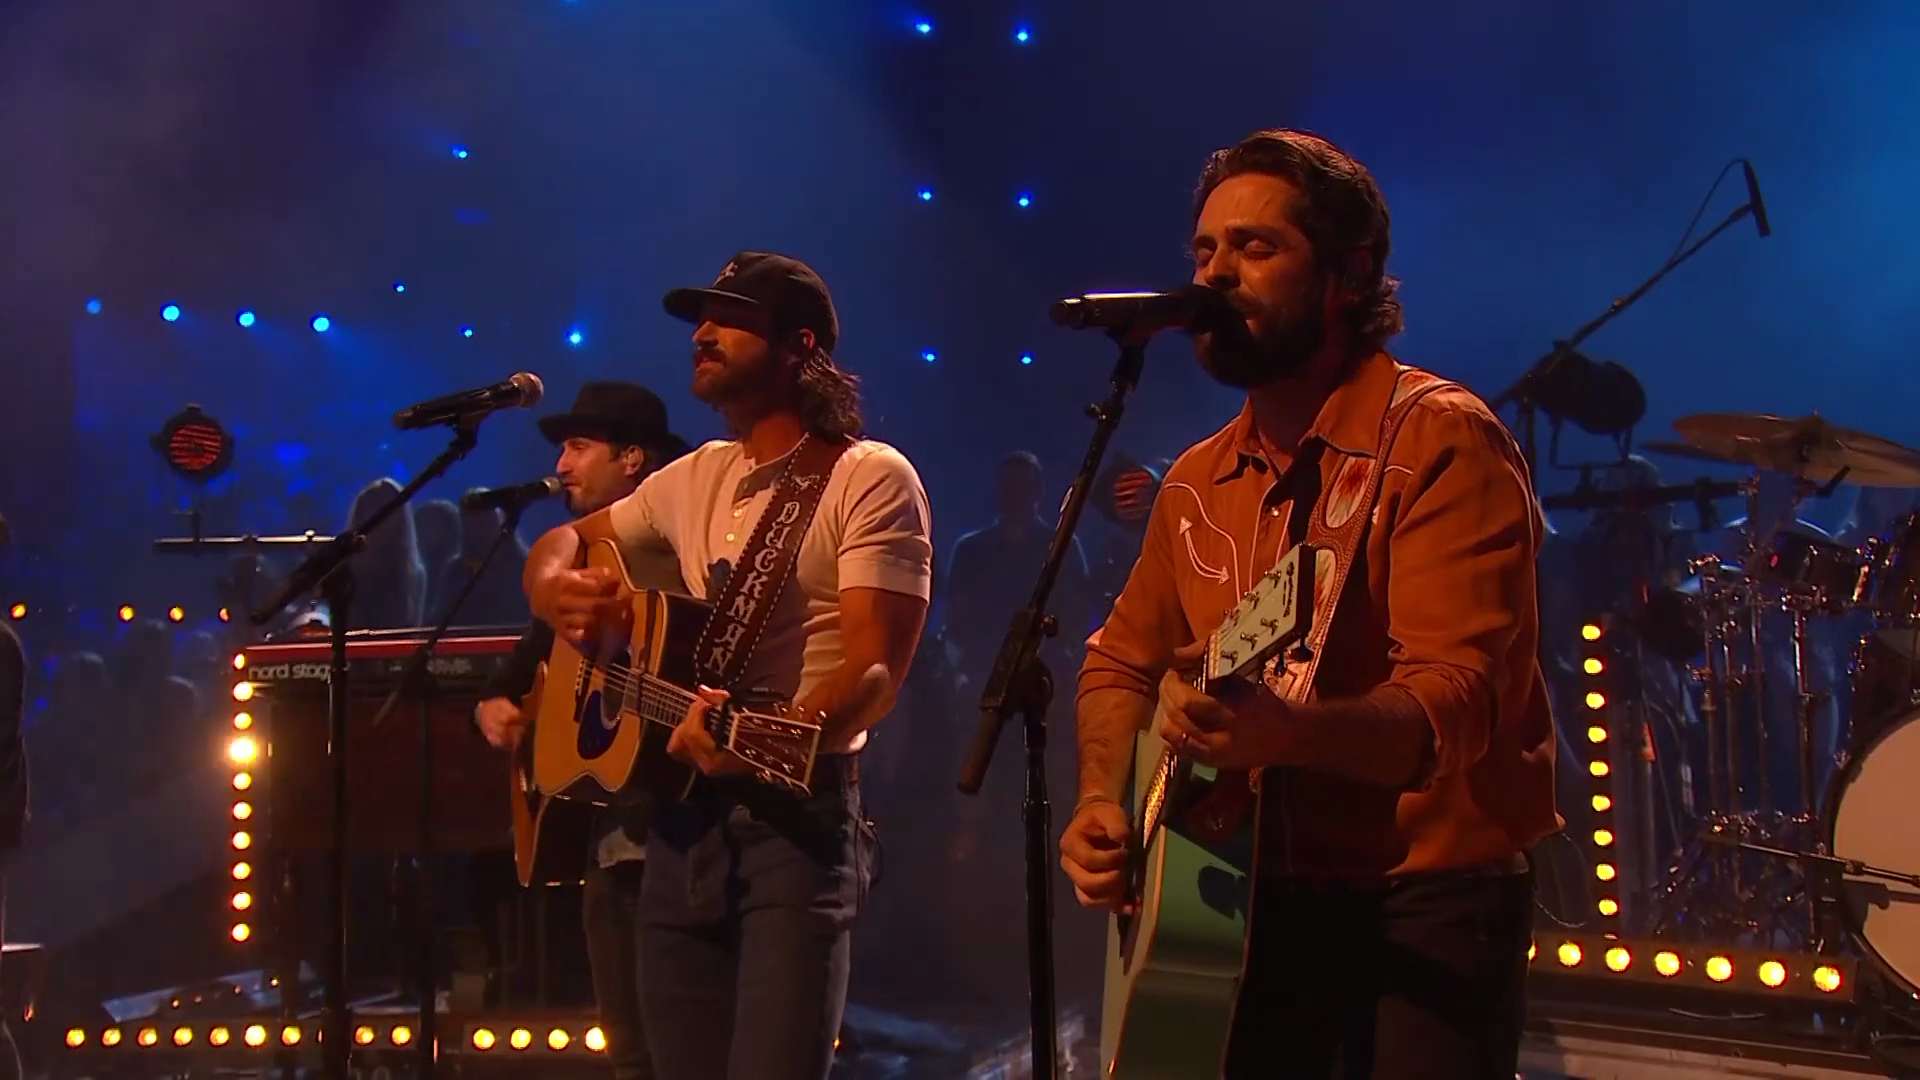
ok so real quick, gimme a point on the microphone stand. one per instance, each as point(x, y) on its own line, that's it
point(1524, 392)
point(426, 979)
point(330, 572)
point(1020, 682)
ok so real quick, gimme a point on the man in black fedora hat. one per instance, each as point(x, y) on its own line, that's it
point(812, 546)
point(613, 437)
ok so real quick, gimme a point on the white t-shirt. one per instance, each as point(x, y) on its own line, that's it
point(873, 530)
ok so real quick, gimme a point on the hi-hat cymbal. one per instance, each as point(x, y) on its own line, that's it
point(1808, 447)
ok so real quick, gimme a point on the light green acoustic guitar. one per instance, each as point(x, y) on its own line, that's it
point(1173, 967)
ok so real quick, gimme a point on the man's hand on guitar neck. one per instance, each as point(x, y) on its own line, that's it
point(691, 743)
point(1241, 726)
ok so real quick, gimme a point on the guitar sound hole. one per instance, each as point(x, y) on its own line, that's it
point(600, 708)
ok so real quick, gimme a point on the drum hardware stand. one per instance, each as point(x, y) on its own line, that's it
point(1837, 868)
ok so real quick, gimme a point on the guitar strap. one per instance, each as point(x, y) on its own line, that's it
point(738, 615)
point(1336, 528)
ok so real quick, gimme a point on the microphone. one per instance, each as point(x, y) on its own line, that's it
point(1754, 202)
point(507, 498)
point(522, 391)
point(1192, 309)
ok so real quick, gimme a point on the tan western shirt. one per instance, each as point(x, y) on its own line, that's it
point(1441, 605)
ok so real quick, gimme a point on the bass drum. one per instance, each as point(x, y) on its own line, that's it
point(1873, 807)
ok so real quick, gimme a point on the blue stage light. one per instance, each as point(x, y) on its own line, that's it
point(93, 306)
point(1026, 358)
point(399, 286)
point(1022, 35)
point(926, 194)
point(466, 331)
point(575, 337)
point(171, 312)
point(245, 318)
point(321, 324)
point(1023, 200)
point(923, 28)
point(460, 152)
point(929, 356)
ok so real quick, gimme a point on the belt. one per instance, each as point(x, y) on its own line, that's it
point(1506, 866)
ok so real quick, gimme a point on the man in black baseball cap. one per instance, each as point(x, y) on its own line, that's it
point(766, 333)
point(813, 544)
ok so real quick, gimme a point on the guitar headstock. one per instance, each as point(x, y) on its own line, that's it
point(780, 748)
point(1276, 613)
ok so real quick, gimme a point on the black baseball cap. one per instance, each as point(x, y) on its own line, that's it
point(782, 286)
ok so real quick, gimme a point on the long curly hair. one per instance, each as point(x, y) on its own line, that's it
point(1341, 211)
point(828, 399)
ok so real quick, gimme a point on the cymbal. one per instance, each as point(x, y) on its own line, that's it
point(1808, 448)
point(1667, 448)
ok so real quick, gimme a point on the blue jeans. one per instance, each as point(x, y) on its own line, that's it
point(745, 921)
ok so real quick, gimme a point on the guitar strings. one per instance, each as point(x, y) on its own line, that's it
point(669, 696)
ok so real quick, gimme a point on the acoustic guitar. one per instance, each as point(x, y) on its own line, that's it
point(550, 835)
point(1173, 967)
point(605, 717)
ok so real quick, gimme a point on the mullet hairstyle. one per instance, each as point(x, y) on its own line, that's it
point(1341, 212)
point(828, 399)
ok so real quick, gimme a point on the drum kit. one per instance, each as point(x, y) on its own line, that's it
point(1815, 844)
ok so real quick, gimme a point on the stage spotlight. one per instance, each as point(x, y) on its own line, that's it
point(245, 318)
point(194, 445)
point(575, 337)
point(171, 313)
point(321, 324)
point(93, 306)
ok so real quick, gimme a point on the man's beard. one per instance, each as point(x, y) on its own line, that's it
point(728, 383)
point(1288, 340)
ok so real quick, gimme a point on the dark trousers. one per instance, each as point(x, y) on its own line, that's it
point(745, 917)
point(611, 909)
point(1422, 980)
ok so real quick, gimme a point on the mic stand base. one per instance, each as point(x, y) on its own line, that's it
point(1030, 694)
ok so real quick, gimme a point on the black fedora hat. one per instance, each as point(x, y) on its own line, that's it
point(616, 412)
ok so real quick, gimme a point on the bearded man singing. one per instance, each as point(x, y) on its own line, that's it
point(750, 893)
point(1398, 796)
